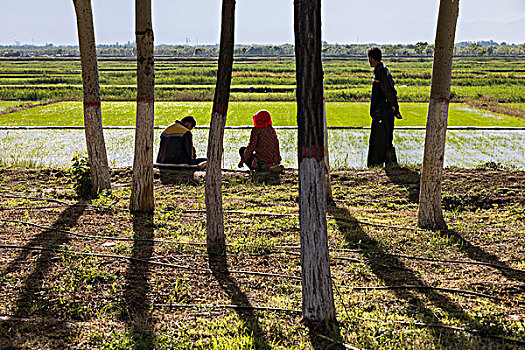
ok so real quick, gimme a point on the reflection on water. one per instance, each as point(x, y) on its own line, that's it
point(348, 148)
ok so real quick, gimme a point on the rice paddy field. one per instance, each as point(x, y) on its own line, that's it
point(348, 147)
point(258, 79)
point(48, 93)
point(284, 113)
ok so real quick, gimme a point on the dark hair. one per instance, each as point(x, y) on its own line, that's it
point(189, 119)
point(375, 53)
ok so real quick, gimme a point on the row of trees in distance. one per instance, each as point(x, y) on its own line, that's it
point(419, 49)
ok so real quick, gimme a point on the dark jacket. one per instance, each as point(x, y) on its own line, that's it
point(176, 145)
point(384, 95)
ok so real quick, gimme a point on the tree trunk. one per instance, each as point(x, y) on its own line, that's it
point(327, 178)
point(318, 302)
point(96, 147)
point(430, 211)
point(142, 186)
point(216, 244)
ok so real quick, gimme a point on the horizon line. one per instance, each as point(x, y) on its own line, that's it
point(133, 43)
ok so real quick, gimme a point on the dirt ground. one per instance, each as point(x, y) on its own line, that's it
point(88, 274)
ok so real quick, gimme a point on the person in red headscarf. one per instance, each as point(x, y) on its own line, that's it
point(262, 153)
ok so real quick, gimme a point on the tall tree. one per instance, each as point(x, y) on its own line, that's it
point(96, 146)
point(213, 187)
point(327, 178)
point(318, 300)
point(430, 211)
point(142, 186)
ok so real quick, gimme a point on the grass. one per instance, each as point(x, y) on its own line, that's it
point(66, 299)
point(9, 106)
point(516, 105)
point(239, 113)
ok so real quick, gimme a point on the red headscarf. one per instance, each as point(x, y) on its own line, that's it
point(262, 119)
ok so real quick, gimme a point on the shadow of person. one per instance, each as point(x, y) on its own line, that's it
point(407, 178)
point(138, 315)
point(30, 302)
point(244, 309)
point(392, 272)
point(478, 254)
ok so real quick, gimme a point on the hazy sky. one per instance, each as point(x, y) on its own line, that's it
point(262, 22)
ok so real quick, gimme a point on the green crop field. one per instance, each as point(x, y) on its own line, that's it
point(7, 106)
point(516, 105)
point(258, 79)
point(353, 114)
point(185, 86)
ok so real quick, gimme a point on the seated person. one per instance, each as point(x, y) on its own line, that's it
point(262, 153)
point(176, 143)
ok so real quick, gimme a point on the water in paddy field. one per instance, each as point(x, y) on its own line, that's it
point(348, 148)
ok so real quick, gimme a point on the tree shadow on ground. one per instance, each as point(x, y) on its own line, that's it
point(138, 309)
point(31, 302)
point(244, 309)
point(478, 254)
point(407, 178)
point(392, 272)
point(410, 180)
point(325, 336)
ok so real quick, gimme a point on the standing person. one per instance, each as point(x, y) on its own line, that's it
point(262, 153)
point(383, 109)
point(176, 144)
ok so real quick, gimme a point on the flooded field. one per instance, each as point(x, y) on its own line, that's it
point(348, 148)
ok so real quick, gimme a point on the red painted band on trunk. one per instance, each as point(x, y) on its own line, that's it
point(316, 152)
point(91, 103)
point(145, 99)
point(220, 108)
point(439, 98)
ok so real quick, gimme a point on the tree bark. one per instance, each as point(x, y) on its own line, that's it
point(142, 186)
point(318, 302)
point(96, 147)
point(327, 178)
point(216, 244)
point(430, 210)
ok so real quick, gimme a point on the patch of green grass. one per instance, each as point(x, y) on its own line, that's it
point(354, 114)
point(10, 105)
point(91, 294)
point(516, 105)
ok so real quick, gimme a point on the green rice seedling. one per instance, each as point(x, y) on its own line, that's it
point(339, 114)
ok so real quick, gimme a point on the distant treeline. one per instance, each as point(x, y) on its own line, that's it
point(420, 49)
